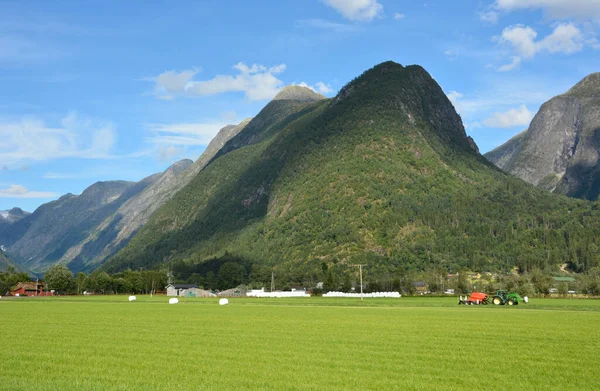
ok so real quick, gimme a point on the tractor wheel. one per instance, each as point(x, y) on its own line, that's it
point(496, 300)
point(510, 302)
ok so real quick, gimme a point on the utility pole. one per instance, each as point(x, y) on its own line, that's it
point(360, 266)
point(272, 281)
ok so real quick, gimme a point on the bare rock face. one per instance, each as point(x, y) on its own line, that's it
point(561, 149)
point(116, 230)
point(38, 239)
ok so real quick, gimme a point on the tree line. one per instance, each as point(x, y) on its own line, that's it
point(231, 273)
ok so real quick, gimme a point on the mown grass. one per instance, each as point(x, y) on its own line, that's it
point(106, 343)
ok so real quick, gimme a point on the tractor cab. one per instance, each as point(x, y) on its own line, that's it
point(504, 298)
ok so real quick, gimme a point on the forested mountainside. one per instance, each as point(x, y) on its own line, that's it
point(382, 174)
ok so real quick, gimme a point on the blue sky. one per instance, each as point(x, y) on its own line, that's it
point(122, 89)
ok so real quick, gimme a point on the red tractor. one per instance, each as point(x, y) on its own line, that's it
point(476, 298)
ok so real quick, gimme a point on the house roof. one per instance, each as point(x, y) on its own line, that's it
point(184, 286)
point(29, 285)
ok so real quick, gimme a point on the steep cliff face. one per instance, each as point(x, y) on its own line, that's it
point(561, 149)
point(38, 240)
point(116, 231)
point(502, 155)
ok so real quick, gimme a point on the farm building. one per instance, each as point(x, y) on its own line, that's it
point(234, 292)
point(421, 287)
point(30, 288)
point(187, 290)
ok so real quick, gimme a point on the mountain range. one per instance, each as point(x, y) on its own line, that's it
point(560, 151)
point(383, 174)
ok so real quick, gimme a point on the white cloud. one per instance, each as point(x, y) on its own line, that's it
point(327, 25)
point(30, 139)
point(61, 175)
point(593, 42)
point(489, 17)
point(399, 15)
point(454, 96)
point(20, 191)
point(360, 10)
point(169, 153)
point(228, 116)
point(183, 134)
point(522, 39)
point(501, 95)
point(513, 117)
point(516, 61)
point(452, 54)
point(566, 38)
point(173, 81)
point(555, 9)
point(323, 88)
point(319, 87)
point(256, 81)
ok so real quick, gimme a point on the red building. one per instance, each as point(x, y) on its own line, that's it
point(30, 288)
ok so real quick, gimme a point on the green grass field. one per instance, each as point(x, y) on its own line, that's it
point(107, 343)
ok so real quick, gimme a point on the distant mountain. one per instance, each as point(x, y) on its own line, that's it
point(39, 240)
point(57, 232)
point(382, 174)
point(116, 231)
point(560, 151)
point(6, 262)
point(126, 217)
point(8, 217)
point(13, 215)
point(83, 231)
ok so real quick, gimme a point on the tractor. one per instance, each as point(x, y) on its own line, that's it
point(504, 298)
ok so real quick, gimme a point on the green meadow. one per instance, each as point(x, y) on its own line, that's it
point(108, 343)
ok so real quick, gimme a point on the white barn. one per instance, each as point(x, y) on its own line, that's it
point(187, 290)
point(179, 289)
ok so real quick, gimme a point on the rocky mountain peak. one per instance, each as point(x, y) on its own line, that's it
point(17, 212)
point(105, 192)
point(589, 86)
point(178, 167)
point(560, 151)
point(299, 94)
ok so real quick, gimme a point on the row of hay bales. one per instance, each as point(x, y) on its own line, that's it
point(279, 294)
point(395, 295)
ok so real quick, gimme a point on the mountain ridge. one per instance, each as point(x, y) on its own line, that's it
point(559, 151)
point(382, 174)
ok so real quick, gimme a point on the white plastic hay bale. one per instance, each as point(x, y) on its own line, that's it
point(132, 298)
point(173, 300)
point(223, 302)
point(526, 299)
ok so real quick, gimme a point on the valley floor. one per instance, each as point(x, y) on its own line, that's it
point(108, 343)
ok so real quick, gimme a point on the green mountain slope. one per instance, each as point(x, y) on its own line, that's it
point(382, 174)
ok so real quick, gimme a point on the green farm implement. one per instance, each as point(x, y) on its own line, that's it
point(504, 298)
